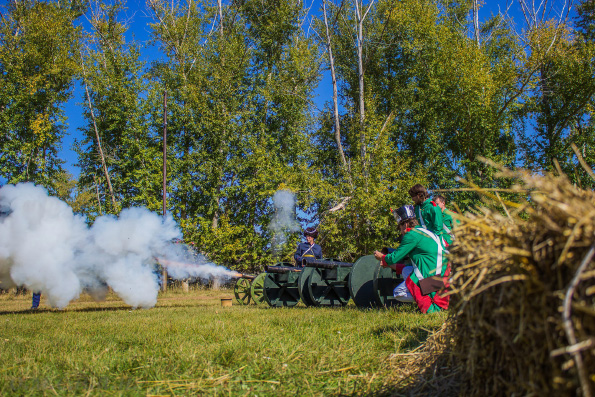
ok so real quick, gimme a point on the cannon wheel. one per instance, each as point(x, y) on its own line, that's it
point(303, 282)
point(361, 281)
point(242, 291)
point(281, 290)
point(385, 281)
point(257, 289)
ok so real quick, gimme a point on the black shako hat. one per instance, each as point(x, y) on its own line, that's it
point(405, 213)
point(312, 232)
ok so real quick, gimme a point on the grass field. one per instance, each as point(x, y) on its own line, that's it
point(188, 345)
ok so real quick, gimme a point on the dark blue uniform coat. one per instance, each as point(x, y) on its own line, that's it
point(307, 249)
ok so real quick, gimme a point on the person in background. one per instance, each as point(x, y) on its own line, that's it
point(447, 223)
point(309, 248)
point(427, 212)
point(36, 300)
point(428, 273)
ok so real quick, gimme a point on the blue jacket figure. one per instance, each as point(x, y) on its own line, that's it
point(308, 249)
point(36, 299)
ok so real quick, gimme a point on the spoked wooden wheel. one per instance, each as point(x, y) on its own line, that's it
point(242, 291)
point(257, 289)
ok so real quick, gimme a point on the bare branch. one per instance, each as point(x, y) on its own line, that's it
point(568, 327)
point(335, 91)
point(109, 184)
point(341, 205)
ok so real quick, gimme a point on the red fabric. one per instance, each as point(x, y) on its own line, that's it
point(446, 276)
point(434, 204)
point(438, 298)
point(399, 267)
point(425, 301)
point(383, 262)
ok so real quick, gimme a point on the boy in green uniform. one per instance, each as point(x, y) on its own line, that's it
point(427, 212)
point(428, 257)
point(447, 222)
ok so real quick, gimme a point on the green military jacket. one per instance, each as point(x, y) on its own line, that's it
point(425, 250)
point(429, 216)
point(447, 225)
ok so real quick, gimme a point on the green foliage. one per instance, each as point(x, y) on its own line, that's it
point(38, 44)
point(73, 192)
point(240, 78)
point(238, 118)
point(112, 72)
point(561, 100)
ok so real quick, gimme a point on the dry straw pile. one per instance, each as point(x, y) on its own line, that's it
point(522, 317)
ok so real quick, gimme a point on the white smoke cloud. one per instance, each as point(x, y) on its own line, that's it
point(45, 247)
point(283, 221)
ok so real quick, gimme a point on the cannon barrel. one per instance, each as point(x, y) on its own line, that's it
point(242, 275)
point(281, 269)
point(324, 264)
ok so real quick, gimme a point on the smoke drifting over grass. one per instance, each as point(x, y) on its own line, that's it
point(284, 220)
point(45, 247)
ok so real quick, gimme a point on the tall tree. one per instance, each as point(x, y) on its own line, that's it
point(117, 150)
point(240, 78)
point(38, 47)
point(353, 202)
point(557, 100)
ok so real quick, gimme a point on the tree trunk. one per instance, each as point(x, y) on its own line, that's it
point(103, 164)
point(360, 73)
point(476, 22)
point(360, 68)
point(97, 191)
point(335, 91)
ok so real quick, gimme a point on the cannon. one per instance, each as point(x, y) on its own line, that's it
point(242, 288)
point(321, 282)
point(281, 286)
point(329, 282)
point(250, 289)
point(372, 285)
point(324, 282)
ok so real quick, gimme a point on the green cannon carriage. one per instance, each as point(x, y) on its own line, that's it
point(250, 289)
point(242, 288)
point(372, 285)
point(326, 282)
point(281, 286)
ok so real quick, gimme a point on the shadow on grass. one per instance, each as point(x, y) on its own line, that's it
point(412, 340)
point(82, 310)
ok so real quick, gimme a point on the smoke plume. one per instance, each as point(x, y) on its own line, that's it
point(283, 221)
point(47, 248)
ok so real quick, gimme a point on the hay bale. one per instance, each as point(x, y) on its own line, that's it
point(522, 316)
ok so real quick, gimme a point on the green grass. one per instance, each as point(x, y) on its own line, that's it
point(189, 344)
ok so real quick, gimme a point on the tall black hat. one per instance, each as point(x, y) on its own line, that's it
point(404, 213)
point(312, 232)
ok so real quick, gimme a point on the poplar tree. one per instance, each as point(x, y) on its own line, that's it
point(117, 154)
point(38, 47)
point(240, 78)
point(558, 101)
